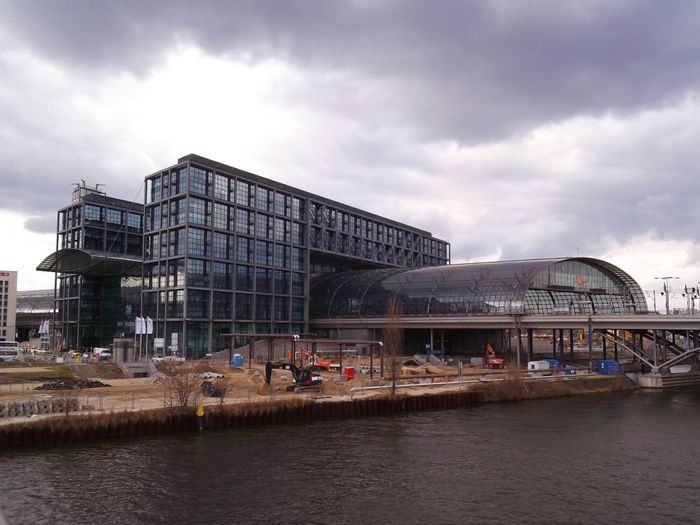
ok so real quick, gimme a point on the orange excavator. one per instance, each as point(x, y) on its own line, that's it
point(492, 360)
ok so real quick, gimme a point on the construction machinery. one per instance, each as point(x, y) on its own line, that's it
point(492, 360)
point(304, 378)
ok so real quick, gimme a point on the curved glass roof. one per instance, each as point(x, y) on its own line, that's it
point(566, 286)
point(91, 262)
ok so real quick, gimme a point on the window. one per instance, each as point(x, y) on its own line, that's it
point(198, 180)
point(219, 245)
point(178, 211)
point(263, 226)
point(222, 305)
point(245, 221)
point(263, 252)
point(297, 284)
point(282, 282)
point(282, 256)
point(244, 277)
point(262, 199)
point(245, 249)
point(244, 306)
point(134, 222)
point(297, 259)
point(221, 187)
point(263, 280)
point(281, 309)
point(220, 216)
point(199, 211)
point(297, 233)
point(222, 275)
point(113, 216)
point(263, 307)
point(242, 192)
point(176, 242)
point(198, 303)
point(297, 209)
point(198, 272)
point(176, 273)
point(282, 204)
point(297, 309)
point(198, 242)
point(93, 214)
point(94, 239)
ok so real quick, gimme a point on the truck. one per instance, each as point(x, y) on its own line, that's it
point(101, 354)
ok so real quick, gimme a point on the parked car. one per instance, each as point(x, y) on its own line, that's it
point(211, 375)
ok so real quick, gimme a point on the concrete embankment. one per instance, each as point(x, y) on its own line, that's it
point(76, 428)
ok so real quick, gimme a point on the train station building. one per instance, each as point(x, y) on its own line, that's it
point(212, 250)
point(216, 250)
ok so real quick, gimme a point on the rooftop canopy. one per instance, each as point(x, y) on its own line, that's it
point(565, 286)
point(93, 263)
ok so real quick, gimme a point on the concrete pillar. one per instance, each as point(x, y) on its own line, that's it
point(571, 343)
point(529, 344)
point(605, 350)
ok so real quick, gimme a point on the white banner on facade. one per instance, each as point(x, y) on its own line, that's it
point(149, 325)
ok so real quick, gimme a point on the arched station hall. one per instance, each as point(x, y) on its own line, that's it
point(522, 308)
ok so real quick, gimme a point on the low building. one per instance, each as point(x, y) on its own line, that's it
point(8, 305)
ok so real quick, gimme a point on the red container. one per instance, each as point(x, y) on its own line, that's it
point(349, 372)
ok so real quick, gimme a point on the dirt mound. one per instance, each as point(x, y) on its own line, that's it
point(71, 384)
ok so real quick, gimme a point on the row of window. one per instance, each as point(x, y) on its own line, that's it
point(329, 218)
point(93, 215)
point(342, 243)
point(223, 187)
point(203, 243)
point(102, 240)
point(201, 212)
point(208, 274)
point(204, 304)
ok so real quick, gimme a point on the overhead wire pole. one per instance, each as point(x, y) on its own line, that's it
point(667, 290)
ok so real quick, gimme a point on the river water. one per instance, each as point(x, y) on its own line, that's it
point(607, 458)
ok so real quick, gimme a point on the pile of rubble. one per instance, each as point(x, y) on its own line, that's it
point(71, 384)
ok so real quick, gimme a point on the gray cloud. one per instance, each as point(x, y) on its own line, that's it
point(468, 71)
point(387, 81)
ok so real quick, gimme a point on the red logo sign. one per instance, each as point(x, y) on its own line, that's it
point(580, 280)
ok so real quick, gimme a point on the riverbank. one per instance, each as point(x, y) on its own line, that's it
point(74, 428)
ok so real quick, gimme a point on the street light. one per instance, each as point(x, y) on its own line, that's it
point(667, 289)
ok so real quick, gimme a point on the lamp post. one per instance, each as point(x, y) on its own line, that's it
point(667, 289)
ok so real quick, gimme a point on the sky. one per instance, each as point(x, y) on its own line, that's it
point(513, 130)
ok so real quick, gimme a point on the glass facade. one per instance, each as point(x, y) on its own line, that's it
point(537, 287)
point(226, 250)
point(98, 305)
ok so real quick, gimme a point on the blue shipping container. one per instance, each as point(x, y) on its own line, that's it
point(608, 367)
point(554, 364)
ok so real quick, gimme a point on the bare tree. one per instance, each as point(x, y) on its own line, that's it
point(393, 341)
point(181, 385)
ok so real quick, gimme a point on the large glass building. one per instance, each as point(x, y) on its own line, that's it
point(229, 251)
point(214, 250)
point(574, 286)
point(470, 304)
point(97, 262)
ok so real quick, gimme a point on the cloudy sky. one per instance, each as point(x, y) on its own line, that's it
point(512, 129)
